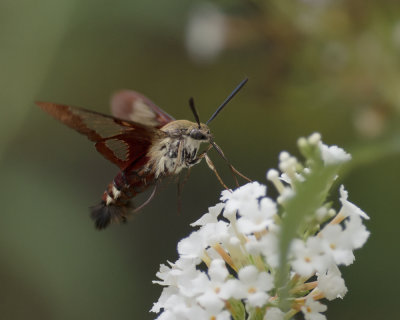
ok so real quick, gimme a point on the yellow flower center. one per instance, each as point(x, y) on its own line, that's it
point(252, 290)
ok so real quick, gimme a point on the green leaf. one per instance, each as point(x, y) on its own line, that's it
point(309, 196)
point(257, 314)
point(237, 309)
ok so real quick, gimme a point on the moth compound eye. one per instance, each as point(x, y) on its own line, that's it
point(197, 135)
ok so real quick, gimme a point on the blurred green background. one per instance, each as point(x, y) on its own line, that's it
point(316, 65)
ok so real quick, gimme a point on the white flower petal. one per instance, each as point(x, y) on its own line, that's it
point(211, 302)
point(257, 299)
point(245, 198)
point(348, 208)
point(274, 314)
point(355, 232)
point(332, 284)
point(309, 257)
point(218, 271)
point(312, 309)
point(211, 216)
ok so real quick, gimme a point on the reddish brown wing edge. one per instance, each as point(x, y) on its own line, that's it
point(133, 106)
point(121, 142)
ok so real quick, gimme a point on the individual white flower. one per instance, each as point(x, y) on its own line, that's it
point(194, 297)
point(308, 257)
point(211, 216)
point(336, 244)
point(355, 232)
point(173, 304)
point(166, 315)
point(312, 309)
point(283, 156)
point(270, 249)
point(164, 274)
point(194, 245)
point(223, 315)
point(331, 284)
point(210, 301)
point(199, 313)
point(274, 314)
point(267, 245)
point(164, 299)
point(273, 176)
point(313, 139)
point(181, 269)
point(195, 312)
point(218, 272)
point(245, 198)
point(288, 165)
point(211, 286)
point(348, 208)
point(259, 218)
point(252, 286)
point(322, 213)
point(219, 232)
point(333, 155)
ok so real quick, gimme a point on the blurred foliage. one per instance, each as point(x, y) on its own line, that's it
point(314, 65)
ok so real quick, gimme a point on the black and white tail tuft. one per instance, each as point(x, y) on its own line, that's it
point(104, 214)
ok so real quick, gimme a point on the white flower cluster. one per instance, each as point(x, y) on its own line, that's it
point(228, 268)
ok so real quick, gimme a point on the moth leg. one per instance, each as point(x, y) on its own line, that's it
point(212, 167)
point(147, 201)
point(198, 158)
point(179, 157)
point(233, 169)
point(180, 186)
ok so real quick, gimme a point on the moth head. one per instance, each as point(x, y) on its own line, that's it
point(196, 131)
point(199, 132)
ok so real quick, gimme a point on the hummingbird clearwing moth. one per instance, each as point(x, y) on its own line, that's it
point(146, 144)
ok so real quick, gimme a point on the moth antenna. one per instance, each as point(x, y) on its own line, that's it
point(229, 98)
point(193, 108)
point(147, 201)
point(233, 169)
point(212, 167)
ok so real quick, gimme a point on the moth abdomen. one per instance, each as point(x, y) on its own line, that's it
point(116, 206)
